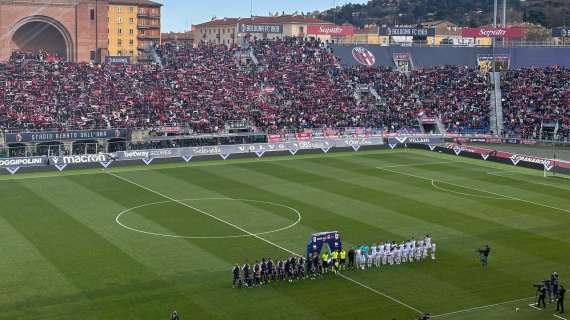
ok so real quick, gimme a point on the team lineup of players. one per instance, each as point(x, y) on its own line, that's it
point(298, 268)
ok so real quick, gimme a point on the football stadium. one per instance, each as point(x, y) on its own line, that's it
point(296, 165)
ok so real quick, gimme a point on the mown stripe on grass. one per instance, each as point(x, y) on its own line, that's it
point(108, 279)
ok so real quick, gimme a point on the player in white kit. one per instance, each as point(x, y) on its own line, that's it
point(399, 250)
point(433, 251)
point(372, 256)
point(412, 250)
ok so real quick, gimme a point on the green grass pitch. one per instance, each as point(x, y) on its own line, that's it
point(64, 256)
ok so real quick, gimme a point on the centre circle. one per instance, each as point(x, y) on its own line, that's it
point(213, 216)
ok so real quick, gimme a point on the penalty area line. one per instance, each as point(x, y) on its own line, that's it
point(257, 237)
point(480, 307)
point(475, 189)
point(559, 317)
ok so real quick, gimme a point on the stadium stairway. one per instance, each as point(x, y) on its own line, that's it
point(496, 113)
point(253, 57)
point(375, 93)
point(155, 56)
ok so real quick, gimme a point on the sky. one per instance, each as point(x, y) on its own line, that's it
point(179, 15)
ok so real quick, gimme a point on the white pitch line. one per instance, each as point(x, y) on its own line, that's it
point(419, 164)
point(475, 189)
point(480, 307)
point(258, 237)
point(468, 194)
point(498, 174)
point(534, 306)
point(559, 317)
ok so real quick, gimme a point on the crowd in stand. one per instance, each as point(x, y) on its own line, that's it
point(537, 99)
point(272, 85)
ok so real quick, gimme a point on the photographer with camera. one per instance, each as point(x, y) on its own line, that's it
point(554, 280)
point(548, 284)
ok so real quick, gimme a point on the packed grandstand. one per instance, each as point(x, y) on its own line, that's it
point(272, 86)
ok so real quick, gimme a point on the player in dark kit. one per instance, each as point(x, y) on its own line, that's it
point(270, 270)
point(301, 268)
point(257, 273)
point(247, 274)
point(237, 276)
point(264, 275)
point(281, 270)
point(560, 300)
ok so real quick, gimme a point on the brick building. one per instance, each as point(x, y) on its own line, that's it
point(74, 29)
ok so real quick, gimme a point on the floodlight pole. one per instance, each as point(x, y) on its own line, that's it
point(504, 22)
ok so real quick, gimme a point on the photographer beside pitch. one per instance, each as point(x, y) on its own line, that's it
point(550, 287)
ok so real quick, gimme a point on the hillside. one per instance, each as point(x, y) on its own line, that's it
point(549, 13)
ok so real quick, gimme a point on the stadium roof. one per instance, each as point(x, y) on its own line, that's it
point(146, 3)
point(262, 20)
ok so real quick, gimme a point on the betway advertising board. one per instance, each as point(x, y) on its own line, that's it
point(259, 149)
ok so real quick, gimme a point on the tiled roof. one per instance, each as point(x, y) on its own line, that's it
point(147, 3)
point(262, 20)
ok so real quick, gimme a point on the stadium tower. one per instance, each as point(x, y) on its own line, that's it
point(73, 29)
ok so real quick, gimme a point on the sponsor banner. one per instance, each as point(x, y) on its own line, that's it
point(393, 141)
point(494, 140)
point(458, 149)
point(24, 162)
point(561, 32)
point(80, 159)
point(75, 135)
point(529, 142)
point(303, 136)
point(169, 129)
point(147, 154)
point(511, 141)
point(304, 145)
point(491, 32)
point(331, 133)
point(260, 28)
point(405, 56)
point(478, 140)
point(517, 158)
point(358, 142)
point(118, 60)
point(330, 30)
point(274, 138)
point(497, 57)
point(407, 32)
